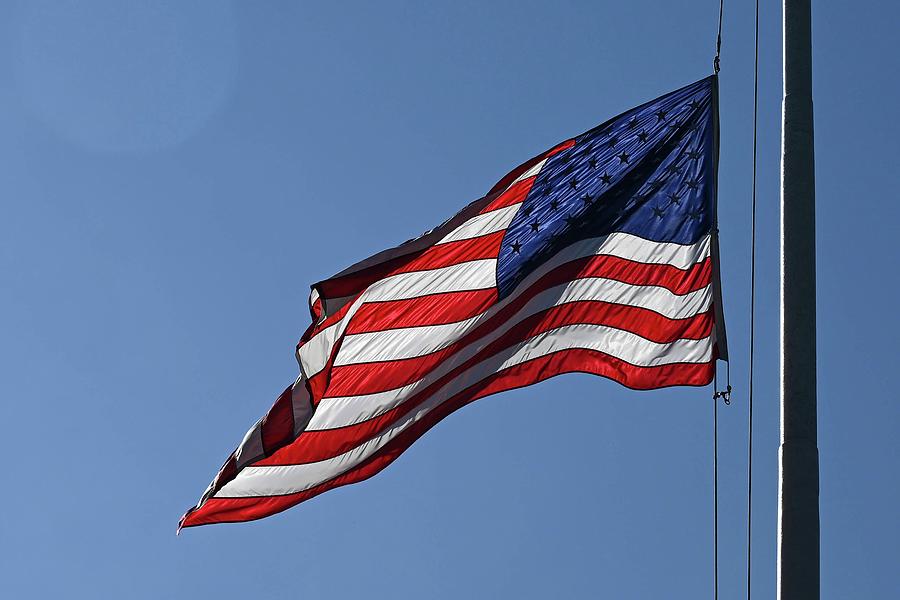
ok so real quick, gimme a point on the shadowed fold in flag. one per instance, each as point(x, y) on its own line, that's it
point(598, 256)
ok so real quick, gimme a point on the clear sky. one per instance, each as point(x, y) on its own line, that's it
point(175, 174)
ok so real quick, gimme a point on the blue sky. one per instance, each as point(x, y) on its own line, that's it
point(174, 176)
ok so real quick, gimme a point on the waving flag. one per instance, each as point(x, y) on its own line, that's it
point(596, 256)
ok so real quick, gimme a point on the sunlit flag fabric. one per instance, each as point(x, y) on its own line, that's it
point(598, 255)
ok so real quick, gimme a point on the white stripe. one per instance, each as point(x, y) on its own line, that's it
point(483, 224)
point(399, 344)
point(631, 247)
point(274, 480)
point(472, 275)
point(532, 172)
point(313, 355)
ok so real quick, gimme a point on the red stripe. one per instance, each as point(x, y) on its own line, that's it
point(318, 383)
point(559, 148)
point(453, 253)
point(368, 378)
point(316, 309)
point(437, 309)
point(277, 426)
point(223, 510)
point(514, 195)
point(515, 173)
point(678, 281)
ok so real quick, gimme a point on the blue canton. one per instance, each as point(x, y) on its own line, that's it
point(649, 172)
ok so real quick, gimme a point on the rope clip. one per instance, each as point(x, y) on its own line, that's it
point(724, 395)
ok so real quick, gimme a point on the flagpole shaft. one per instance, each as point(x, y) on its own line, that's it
point(798, 514)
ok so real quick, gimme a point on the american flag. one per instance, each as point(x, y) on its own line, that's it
point(598, 256)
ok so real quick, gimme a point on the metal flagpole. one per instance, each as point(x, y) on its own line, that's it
point(798, 508)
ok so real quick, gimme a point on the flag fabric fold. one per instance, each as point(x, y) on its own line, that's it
point(597, 256)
